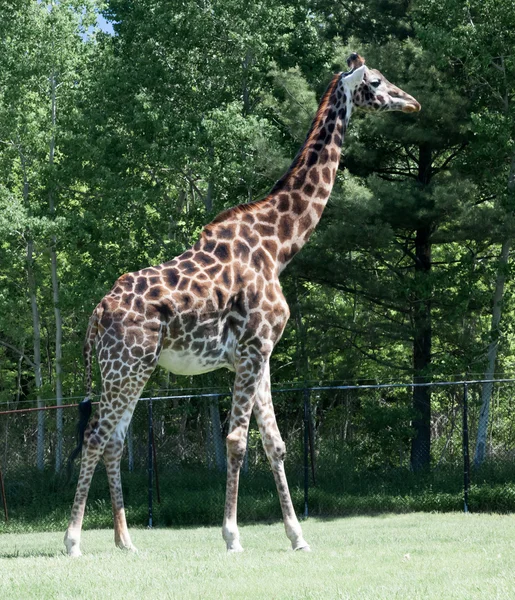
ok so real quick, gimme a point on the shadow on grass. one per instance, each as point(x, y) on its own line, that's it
point(31, 554)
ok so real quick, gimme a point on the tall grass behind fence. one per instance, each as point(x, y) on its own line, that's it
point(359, 444)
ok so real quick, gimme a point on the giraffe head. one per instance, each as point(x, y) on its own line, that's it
point(372, 91)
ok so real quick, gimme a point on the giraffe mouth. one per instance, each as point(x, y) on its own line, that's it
point(411, 107)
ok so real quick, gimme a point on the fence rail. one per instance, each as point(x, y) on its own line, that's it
point(332, 432)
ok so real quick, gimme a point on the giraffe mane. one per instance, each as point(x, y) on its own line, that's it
point(235, 210)
point(297, 161)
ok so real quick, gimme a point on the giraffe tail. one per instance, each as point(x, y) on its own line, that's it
point(84, 415)
point(85, 406)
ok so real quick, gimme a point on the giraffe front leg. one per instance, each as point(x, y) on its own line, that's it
point(236, 448)
point(275, 450)
point(245, 386)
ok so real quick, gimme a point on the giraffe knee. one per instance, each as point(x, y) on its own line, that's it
point(236, 445)
point(277, 450)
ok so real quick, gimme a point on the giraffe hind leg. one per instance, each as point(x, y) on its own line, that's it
point(112, 457)
point(92, 450)
point(116, 406)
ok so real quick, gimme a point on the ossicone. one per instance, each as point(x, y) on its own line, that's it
point(355, 60)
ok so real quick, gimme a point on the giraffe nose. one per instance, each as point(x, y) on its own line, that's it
point(413, 106)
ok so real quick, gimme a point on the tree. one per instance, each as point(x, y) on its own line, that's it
point(387, 252)
point(41, 50)
point(478, 40)
point(421, 197)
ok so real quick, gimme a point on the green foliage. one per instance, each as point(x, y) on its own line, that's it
point(193, 107)
point(41, 501)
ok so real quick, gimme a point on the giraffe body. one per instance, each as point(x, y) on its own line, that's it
point(220, 305)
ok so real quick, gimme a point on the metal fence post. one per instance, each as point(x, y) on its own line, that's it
point(466, 456)
point(306, 452)
point(150, 463)
point(4, 499)
point(154, 457)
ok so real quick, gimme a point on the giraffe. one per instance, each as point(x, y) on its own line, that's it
point(220, 304)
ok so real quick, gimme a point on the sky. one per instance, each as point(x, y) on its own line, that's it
point(105, 25)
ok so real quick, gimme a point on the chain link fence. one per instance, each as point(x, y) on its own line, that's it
point(349, 448)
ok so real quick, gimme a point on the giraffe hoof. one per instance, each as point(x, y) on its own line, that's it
point(128, 548)
point(233, 547)
point(72, 546)
point(304, 548)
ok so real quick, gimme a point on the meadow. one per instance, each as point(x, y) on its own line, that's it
point(412, 556)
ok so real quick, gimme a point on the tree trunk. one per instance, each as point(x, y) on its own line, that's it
point(36, 335)
point(486, 394)
point(245, 91)
point(422, 339)
point(40, 452)
point(421, 443)
point(58, 359)
point(55, 298)
point(211, 183)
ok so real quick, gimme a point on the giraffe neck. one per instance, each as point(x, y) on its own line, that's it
point(301, 194)
point(282, 223)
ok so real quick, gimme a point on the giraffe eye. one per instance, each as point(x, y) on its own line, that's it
point(376, 83)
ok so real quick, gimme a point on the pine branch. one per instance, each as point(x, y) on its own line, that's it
point(379, 361)
point(363, 332)
point(370, 298)
point(446, 162)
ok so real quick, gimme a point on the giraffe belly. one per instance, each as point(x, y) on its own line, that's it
point(186, 363)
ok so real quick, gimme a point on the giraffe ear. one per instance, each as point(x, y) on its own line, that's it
point(356, 77)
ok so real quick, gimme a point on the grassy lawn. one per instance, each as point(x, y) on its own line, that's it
point(433, 556)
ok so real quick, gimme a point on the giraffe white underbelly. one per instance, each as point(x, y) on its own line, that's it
point(183, 362)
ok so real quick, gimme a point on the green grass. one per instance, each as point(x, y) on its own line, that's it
point(412, 556)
